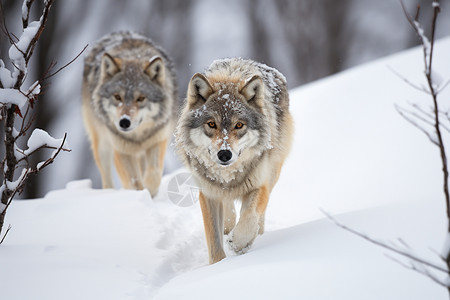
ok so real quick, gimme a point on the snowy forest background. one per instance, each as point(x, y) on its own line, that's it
point(305, 40)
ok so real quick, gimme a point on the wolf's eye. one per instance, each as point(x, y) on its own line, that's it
point(211, 124)
point(140, 99)
point(117, 97)
point(239, 125)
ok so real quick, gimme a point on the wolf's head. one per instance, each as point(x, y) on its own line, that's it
point(130, 92)
point(225, 122)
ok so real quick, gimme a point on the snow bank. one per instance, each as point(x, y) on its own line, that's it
point(80, 243)
point(319, 261)
point(352, 149)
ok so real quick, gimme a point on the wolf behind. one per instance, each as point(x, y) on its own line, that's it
point(234, 134)
point(129, 108)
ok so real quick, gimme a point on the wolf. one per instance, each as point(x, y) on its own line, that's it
point(234, 134)
point(129, 106)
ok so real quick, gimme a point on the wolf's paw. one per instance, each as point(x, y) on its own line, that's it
point(240, 242)
point(237, 248)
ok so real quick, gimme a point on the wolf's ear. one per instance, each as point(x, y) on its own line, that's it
point(199, 89)
point(155, 70)
point(253, 91)
point(109, 66)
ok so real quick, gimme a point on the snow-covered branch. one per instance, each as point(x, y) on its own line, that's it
point(38, 140)
point(17, 99)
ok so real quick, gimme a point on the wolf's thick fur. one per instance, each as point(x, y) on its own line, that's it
point(234, 134)
point(129, 108)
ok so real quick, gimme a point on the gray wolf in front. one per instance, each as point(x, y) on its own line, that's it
point(129, 108)
point(234, 134)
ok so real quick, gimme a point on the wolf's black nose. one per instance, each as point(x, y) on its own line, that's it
point(224, 155)
point(124, 123)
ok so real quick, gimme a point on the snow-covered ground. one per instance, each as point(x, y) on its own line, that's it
point(353, 156)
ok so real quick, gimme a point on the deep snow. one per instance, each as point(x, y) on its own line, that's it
point(353, 156)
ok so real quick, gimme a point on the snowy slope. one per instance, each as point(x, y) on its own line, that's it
point(353, 155)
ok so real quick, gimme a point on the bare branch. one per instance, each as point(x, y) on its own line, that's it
point(26, 123)
point(6, 233)
point(386, 246)
point(436, 11)
point(19, 187)
point(422, 115)
point(424, 112)
point(416, 18)
point(4, 27)
point(66, 65)
point(44, 18)
point(419, 114)
point(432, 139)
point(443, 86)
point(408, 16)
point(407, 81)
point(25, 18)
point(421, 270)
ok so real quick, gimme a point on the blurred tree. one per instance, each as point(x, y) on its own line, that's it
point(45, 110)
point(259, 33)
point(315, 33)
point(8, 9)
point(170, 25)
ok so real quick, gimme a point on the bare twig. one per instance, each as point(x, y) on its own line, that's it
point(419, 269)
point(44, 17)
point(407, 81)
point(421, 115)
point(385, 245)
point(436, 11)
point(418, 114)
point(4, 27)
point(402, 111)
point(66, 65)
point(25, 19)
point(6, 233)
point(444, 86)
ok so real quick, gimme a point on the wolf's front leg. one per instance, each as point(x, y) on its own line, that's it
point(252, 214)
point(129, 171)
point(103, 158)
point(154, 166)
point(229, 214)
point(213, 221)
